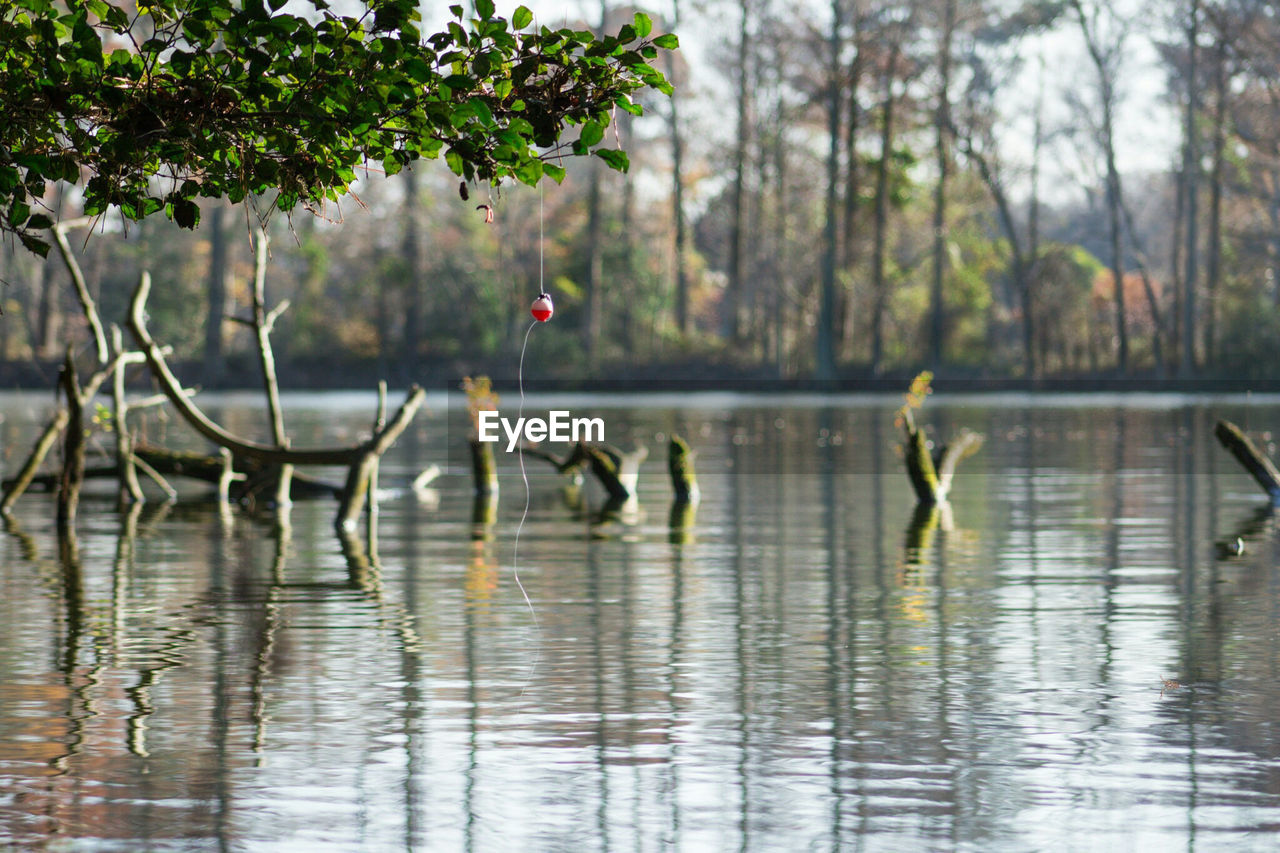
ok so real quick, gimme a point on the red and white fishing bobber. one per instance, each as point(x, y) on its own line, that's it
point(542, 309)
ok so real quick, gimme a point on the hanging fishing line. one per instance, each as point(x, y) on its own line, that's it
point(541, 309)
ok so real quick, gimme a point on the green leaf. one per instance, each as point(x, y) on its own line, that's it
point(482, 111)
point(18, 213)
point(530, 172)
point(186, 213)
point(255, 100)
point(616, 159)
point(34, 244)
point(667, 41)
point(592, 134)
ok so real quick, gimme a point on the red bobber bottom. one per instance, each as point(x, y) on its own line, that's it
point(542, 309)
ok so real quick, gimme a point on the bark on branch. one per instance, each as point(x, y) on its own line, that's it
point(1248, 455)
point(201, 423)
point(931, 474)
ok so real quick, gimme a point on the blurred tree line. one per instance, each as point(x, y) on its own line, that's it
point(842, 188)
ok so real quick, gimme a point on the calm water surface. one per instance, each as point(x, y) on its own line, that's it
point(806, 664)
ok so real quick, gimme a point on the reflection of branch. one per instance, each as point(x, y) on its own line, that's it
point(925, 520)
point(80, 698)
point(1250, 529)
point(270, 625)
point(15, 487)
point(680, 522)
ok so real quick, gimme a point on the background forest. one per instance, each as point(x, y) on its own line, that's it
point(835, 191)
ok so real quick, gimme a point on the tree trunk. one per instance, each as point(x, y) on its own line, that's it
point(1273, 212)
point(852, 186)
point(219, 271)
point(1104, 62)
point(781, 293)
point(1175, 263)
point(731, 325)
point(591, 315)
point(879, 286)
point(1117, 253)
point(826, 332)
point(1017, 260)
point(683, 325)
point(942, 156)
point(1216, 179)
point(412, 250)
point(49, 312)
point(593, 308)
point(1191, 174)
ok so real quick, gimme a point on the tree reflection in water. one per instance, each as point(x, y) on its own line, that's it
point(806, 662)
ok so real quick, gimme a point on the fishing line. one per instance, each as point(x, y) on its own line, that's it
point(515, 556)
point(541, 310)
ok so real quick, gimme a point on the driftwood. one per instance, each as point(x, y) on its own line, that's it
point(193, 466)
point(1248, 455)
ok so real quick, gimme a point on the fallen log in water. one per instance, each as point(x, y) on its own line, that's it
point(1248, 455)
point(193, 466)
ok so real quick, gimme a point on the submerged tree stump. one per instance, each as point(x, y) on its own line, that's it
point(680, 465)
point(484, 471)
point(931, 473)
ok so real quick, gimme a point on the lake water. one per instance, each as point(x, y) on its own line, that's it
point(1063, 663)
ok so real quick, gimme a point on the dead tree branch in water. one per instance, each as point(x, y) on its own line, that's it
point(1250, 457)
point(360, 460)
